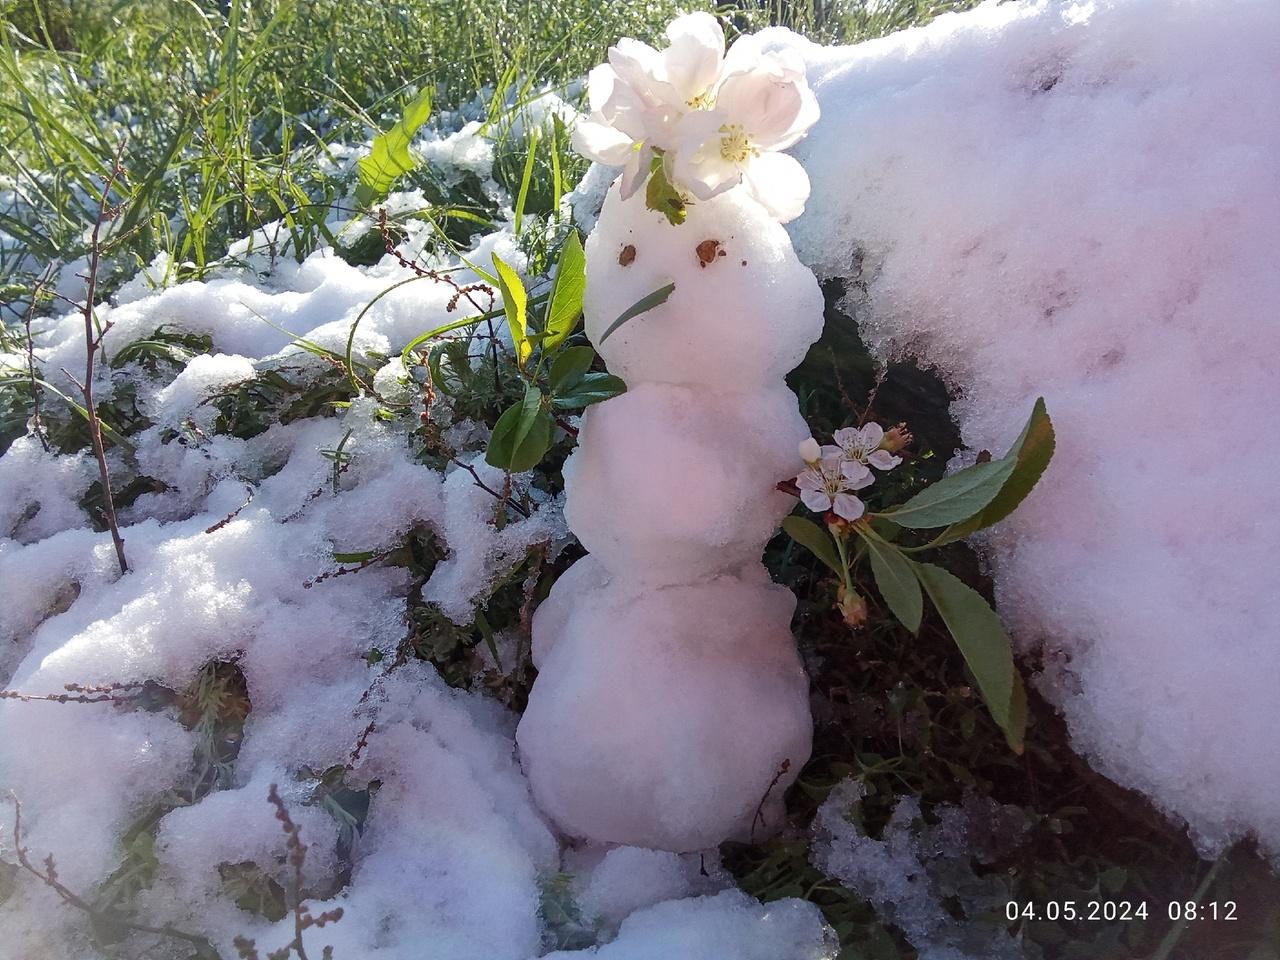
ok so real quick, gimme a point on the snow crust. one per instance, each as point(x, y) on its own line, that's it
point(1082, 201)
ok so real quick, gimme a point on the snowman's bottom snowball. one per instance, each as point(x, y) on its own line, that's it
point(660, 717)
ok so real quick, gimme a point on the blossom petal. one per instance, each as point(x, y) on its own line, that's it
point(601, 142)
point(817, 500)
point(778, 183)
point(847, 506)
point(856, 474)
point(635, 170)
point(693, 61)
point(698, 163)
point(811, 479)
point(883, 460)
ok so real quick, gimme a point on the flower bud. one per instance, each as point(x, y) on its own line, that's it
point(810, 451)
point(896, 438)
point(852, 607)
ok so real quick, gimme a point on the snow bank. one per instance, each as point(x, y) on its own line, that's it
point(1082, 200)
point(453, 856)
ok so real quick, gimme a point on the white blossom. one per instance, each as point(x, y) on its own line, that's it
point(762, 106)
point(829, 484)
point(717, 120)
point(863, 445)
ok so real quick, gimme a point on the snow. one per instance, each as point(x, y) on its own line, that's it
point(1080, 201)
point(915, 868)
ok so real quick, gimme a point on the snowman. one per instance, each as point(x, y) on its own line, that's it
point(671, 707)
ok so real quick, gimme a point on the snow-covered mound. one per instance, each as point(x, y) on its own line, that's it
point(1082, 200)
point(453, 857)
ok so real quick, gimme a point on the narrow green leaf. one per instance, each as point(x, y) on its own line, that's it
point(359, 557)
point(954, 498)
point(982, 639)
point(592, 388)
point(486, 631)
point(515, 302)
point(809, 534)
point(527, 178)
point(522, 435)
point(897, 582)
point(390, 157)
point(569, 367)
point(643, 305)
point(566, 295)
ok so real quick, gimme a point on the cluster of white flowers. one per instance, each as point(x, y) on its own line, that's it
point(716, 120)
point(834, 471)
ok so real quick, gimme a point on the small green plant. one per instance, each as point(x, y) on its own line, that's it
point(969, 500)
point(557, 377)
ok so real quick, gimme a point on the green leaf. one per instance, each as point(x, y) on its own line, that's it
point(515, 302)
point(390, 155)
point(809, 534)
point(954, 498)
point(897, 582)
point(982, 639)
point(522, 435)
point(359, 557)
point(569, 367)
point(532, 147)
point(1031, 454)
point(482, 624)
point(566, 295)
point(661, 196)
point(592, 388)
point(643, 305)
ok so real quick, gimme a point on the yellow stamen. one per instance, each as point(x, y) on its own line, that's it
point(736, 146)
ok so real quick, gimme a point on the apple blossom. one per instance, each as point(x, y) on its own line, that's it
point(759, 109)
point(716, 120)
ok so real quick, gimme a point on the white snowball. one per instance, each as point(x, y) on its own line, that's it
point(661, 716)
point(670, 483)
point(737, 322)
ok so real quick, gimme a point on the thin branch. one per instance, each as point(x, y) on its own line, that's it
point(31, 357)
point(50, 879)
point(759, 817)
point(234, 513)
point(93, 342)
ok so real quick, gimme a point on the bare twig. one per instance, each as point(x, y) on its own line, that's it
point(759, 817)
point(344, 571)
point(93, 342)
point(538, 555)
point(97, 693)
point(31, 357)
point(234, 513)
point(507, 499)
point(50, 879)
point(302, 918)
